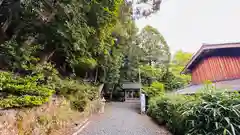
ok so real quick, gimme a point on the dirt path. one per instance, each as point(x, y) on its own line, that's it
point(123, 119)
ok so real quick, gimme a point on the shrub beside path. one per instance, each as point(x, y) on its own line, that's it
point(122, 119)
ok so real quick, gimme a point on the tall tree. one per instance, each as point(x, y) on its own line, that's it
point(149, 52)
point(177, 64)
point(74, 35)
point(144, 8)
point(181, 58)
point(154, 46)
point(9, 15)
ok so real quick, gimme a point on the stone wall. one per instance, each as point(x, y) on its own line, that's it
point(53, 118)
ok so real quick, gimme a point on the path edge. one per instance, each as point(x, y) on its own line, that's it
point(81, 126)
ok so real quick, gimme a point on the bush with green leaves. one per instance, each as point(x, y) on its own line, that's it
point(79, 93)
point(28, 91)
point(22, 101)
point(208, 113)
point(167, 109)
point(156, 89)
point(173, 82)
point(21, 91)
point(79, 101)
point(215, 114)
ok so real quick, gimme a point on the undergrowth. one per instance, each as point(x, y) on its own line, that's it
point(207, 113)
point(36, 88)
point(18, 91)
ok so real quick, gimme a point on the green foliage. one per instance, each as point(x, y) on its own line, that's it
point(23, 91)
point(216, 114)
point(150, 71)
point(79, 102)
point(177, 64)
point(175, 70)
point(79, 93)
point(156, 89)
point(212, 113)
point(148, 51)
point(167, 111)
point(154, 46)
point(113, 69)
point(68, 87)
point(84, 39)
point(74, 36)
point(23, 101)
point(85, 63)
point(172, 82)
point(181, 58)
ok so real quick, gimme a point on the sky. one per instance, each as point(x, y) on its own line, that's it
point(187, 24)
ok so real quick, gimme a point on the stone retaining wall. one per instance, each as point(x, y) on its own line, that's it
point(53, 118)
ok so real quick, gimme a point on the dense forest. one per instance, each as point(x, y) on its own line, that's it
point(67, 47)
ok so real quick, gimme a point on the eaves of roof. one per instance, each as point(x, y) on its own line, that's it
point(206, 47)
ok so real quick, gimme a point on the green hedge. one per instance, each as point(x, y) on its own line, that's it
point(203, 114)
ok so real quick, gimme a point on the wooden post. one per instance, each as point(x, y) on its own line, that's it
point(124, 96)
point(139, 74)
point(140, 90)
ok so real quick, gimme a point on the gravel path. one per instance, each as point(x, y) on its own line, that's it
point(122, 119)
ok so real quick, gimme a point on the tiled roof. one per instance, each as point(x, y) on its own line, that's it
point(131, 86)
point(229, 85)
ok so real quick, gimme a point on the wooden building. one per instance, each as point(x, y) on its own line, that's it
point(218, 63)
point(132, 91)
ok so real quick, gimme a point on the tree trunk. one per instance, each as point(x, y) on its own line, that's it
point(96, 75)
point(45, 57)
point(3, 36)
point(111, 93)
